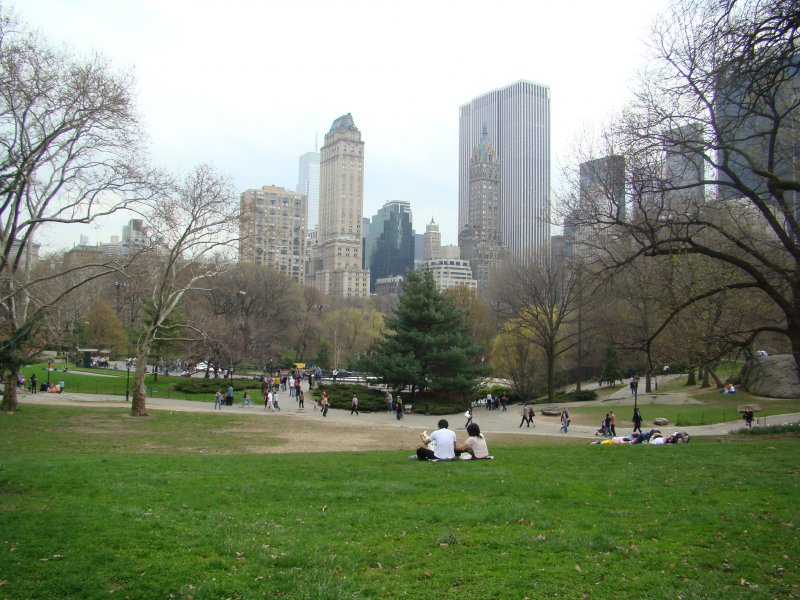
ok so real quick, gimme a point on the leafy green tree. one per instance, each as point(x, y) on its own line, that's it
point(429, 345)
point(104, 330)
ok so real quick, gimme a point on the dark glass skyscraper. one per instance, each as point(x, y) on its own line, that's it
point(389, 246)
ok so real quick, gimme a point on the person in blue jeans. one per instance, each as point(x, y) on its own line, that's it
point(565, 420)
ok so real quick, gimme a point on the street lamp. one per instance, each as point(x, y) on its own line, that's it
point(128, 382)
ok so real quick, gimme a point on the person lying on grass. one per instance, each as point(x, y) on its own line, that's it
point(475, 445)
point(445, 443)
point(678, 436)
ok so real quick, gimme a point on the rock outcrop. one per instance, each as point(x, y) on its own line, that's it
point(773, 376)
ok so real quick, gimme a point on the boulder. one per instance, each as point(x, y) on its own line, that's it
point(551, 412)
point(661, 421)
point(773, 376)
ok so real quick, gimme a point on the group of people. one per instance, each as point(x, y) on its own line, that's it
point(33, 385)
point(653, 437)
point(495, 402)
point(443, 444)
point(394, 406)
point(608, 427)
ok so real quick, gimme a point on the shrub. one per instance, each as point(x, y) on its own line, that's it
point(769, 429)
point(209, 386)
point(574, 396)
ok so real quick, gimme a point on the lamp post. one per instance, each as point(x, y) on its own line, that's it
point(128, 382)
point(48, 374)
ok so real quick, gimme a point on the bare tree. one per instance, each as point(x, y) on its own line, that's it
point(538, 299)
point(251, 314)
point(711, 155)
point(69, 153)
point(193, 229)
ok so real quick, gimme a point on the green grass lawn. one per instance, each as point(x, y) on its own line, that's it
point(113, 382)
point(97, 504)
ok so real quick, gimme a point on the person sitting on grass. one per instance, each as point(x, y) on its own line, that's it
point(475, 445)
point(445, 441)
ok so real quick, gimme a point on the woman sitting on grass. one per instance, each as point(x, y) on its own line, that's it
point(475, 445)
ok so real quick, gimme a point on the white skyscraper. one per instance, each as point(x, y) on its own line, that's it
point(308, 184)
point(517, 118)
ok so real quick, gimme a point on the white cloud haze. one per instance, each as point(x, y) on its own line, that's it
point(246, 86)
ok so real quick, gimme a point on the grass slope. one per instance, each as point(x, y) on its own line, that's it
point(96, 504)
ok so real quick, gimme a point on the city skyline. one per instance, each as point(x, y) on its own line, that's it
point(210, 90)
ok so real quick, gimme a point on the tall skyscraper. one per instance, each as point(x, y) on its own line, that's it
point(684, 170)
point(432, 244)
point(273, 230)
point(308, 184)
point(337, 259)
point(480, 239)
point(389, 248)
point(518, 121)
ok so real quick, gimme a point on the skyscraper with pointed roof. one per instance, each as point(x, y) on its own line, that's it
point(480, 238)
point(518, 123)
point(336, 263)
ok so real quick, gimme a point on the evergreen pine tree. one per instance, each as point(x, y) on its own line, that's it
point(429, 345)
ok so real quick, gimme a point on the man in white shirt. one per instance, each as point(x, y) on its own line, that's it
point(445, 444)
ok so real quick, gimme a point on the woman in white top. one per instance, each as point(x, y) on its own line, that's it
point(475, 444)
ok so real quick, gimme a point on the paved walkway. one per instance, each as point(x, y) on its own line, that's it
point(490, 421)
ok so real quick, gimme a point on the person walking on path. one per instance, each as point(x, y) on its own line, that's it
point(468, 414)
point(275, 399)
point(325, 404)
point(525, 416)
point(612, 423)
point(301, 400)
point(218, 400)
point(268, 402)
point(637, 420)
point(565, 420)
point(229, 396)
point(398, 408)
point(503, 402)
point(389, 402)
point(354, 405)
point(34, 383)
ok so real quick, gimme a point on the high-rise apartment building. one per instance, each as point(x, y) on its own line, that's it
point(389, 245)
point(273, 230)
point(337, 260)
point(518, 121)
point(480, 239)
point(684, 170)
point(308, 185)
point(601, 190)
point(449, 273)
point(432, 242)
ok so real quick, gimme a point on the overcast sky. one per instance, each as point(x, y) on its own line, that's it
point(248, 86)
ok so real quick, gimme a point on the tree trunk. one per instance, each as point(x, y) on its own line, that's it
point(691, 380)
point(705, 382)
point(648, 387)
point(10, 401)
point(551, 379)
point(139, 401)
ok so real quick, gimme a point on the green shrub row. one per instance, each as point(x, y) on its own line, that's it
point(769, 429)
point(210, 386)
